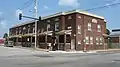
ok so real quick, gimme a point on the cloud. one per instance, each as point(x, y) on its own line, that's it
point(71, 3)
point(46, 7)
point(3, 24)
point(1, 13)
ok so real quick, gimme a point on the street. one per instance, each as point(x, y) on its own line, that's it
point(17, 57)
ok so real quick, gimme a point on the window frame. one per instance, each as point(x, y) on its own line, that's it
point(87, 40)
point(79, 29)
point(91, 40)
point(89, 26)
point(99, 28)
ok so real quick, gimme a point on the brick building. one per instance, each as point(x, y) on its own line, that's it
point(74, 30)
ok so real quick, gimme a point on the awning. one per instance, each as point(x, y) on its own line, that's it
point(106, 35)
point(46, 33)
point(25, 35)
point(64, 32)
point(14, 36)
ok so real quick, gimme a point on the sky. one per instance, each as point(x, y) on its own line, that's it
point(9, 10)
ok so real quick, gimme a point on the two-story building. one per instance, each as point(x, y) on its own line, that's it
point(74, 30)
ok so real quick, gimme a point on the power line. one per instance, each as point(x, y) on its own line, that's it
point(102, 6)
point(28, 4)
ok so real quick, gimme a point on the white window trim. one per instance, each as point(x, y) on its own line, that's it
point(99, 28)
point(69, 17)
point(69, 27)
point(79, 29)
point(101, 39)
point(89, 26)
point(87, 38)
point(97, 39)
point(91, 40)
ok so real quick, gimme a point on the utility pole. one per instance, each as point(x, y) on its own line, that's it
point(35, 23)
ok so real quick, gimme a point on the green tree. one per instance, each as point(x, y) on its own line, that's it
point(5, 35)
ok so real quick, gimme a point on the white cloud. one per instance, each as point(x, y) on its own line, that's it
point(71, 3)
point(46, 7)
point(3, 24)
point(18, 12)
point(1, 13)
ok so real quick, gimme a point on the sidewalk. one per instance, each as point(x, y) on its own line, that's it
point(58, 51)
point(107, 50)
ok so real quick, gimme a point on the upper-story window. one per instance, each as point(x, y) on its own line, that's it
point(99, 28)
point(57, 26)
point(89, 27)
point(20, 31)
point(17, 31)
point(79, 29)
point(69, 17)
point(48, 27)
point(48, 20)
point(79, 17)
point(56, 19)
point(42, 30)
point(33, 29)
point(94, 21)
point(28, 28)
point(24, 28)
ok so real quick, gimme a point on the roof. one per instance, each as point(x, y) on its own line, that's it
point(24, 23)
point(73, 11)
point(62, 13)
point(115, 34)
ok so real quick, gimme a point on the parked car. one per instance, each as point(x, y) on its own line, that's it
point(9, 44)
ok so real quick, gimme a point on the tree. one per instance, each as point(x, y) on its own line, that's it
point(5, 35)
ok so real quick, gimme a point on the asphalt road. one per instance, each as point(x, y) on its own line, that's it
point(16, 57)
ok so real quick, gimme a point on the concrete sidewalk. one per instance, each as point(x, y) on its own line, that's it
point(107, 50)
point(58, 51)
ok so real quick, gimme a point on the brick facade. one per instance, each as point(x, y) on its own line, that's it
point(77, 24)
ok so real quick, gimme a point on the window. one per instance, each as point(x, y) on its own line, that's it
point(20, 32)
point(69, 27)
point(57, 26)
point(42, 30)
point(69, 17)
point(56, 19)
point(33, 29)
point(87, 40)
point(79, 42)
point(97, 40)
point(91, 40)
point(94, 20)
point(99, 28)
point(48, 20)
point(79, 17)
point(39, 31)
point(79, 29)
point(24, 28)
point(17, 31)
point(101, 40)
point(48, 27)
point(89, 26)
